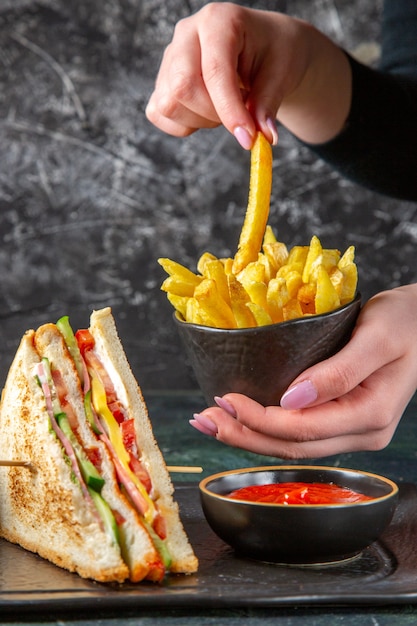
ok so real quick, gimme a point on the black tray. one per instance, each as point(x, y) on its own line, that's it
point(385, 573)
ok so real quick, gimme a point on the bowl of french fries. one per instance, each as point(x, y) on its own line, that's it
point(252, 323)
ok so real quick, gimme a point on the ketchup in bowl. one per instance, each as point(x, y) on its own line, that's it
point(298, 493)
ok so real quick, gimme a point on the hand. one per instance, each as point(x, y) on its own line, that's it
point(352, 401)
point(239, 67)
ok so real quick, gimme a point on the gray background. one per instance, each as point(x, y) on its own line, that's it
point(91, 194)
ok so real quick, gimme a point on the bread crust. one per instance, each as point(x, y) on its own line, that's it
point(109, 348)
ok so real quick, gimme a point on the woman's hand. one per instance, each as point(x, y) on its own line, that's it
point(352, 401)
point(239, 67)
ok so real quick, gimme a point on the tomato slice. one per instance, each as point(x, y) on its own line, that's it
point(84, 339)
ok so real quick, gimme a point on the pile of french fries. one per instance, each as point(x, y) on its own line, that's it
point(264, 283)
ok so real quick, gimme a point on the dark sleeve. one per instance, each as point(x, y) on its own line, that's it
point(378, 146)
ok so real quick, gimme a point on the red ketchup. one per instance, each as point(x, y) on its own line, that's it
point(299, 493)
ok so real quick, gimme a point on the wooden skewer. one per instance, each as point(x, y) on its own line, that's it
point(185, 469)
point(14, 463)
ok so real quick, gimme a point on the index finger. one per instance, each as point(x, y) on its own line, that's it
point(220, 50)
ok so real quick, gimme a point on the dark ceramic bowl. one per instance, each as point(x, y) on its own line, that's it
point(261, 362)
point(300, 534)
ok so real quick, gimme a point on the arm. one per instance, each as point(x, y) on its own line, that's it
point(268, 65)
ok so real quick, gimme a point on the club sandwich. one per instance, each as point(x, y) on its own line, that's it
point(97, 498)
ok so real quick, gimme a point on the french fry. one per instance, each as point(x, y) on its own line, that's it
point(193, 315)
point(176, 269)
point(261, 316)
point(215, 270)
point(178, 286)
point(181, 281)
point(292, 310)
point(276, 253)
point(276, 298)
point(205, 258)
point(257, 211)
point(314, 254)
point(350, 279)
point(179, 303)
point(294, 281)
point(347, 257)
point(269, 236)
point(326, 298)
point(212, 306)
point(239, 298)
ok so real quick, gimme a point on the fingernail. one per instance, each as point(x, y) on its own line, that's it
point(299, 396)
point(243, 137)
point(271, 123)
point(225, 405)
point(204, 424)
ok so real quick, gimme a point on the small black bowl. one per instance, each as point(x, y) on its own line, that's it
point(261, 362)
point(300, 534)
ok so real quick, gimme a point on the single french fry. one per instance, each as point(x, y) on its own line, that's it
point(213, 306)
point(205, 258)
point(269, 235)
point(257, 293)
point(307, 293)
point(228, 264)
point(257, 211)
point(261, 316)
point(349, 283)
point(269, 271)
point(176, 269)
point(327, 298)
point(192, 314)
point(336, 276)
point(178, 286)
point(294, 282)
point(179, 303)
point(330, 258)
point(315, 252)
point(292, 310)
point(239, 298)
point(347, 257)
point(297, 257)
point(215, 270)
point(277, 297)
point(276, 253)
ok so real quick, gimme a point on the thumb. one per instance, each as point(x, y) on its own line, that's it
point(335, 376)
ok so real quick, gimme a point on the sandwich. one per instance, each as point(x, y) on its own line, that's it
point(96, 498)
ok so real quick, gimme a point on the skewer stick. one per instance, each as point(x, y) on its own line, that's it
point(185, 469)
point(14, 463)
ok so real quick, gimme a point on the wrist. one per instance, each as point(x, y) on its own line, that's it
point(317, 110)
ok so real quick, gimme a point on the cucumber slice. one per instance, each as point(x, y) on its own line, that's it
point(66, 331)
point(106, 515)
point(88, 470)
point(160, 545)
point(89, 413)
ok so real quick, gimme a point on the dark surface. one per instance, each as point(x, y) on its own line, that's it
point(91, 194)
point(382, 574)
point(262, 362)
